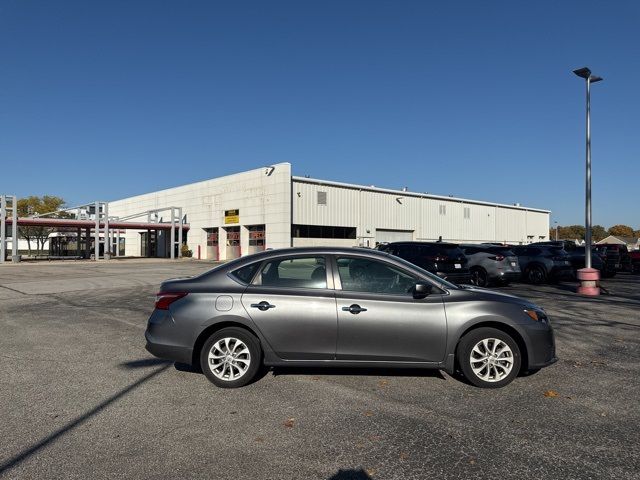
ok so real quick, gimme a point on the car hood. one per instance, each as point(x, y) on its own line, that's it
point(480, 293)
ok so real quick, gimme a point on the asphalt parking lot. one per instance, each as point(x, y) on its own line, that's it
point(81, 398)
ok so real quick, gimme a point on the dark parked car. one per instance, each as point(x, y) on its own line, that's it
point(634, 256)
point(491, 264)
point(577, 256)
point(543, 263)
point(343, 307)
point(446, 260)
point(616, 254)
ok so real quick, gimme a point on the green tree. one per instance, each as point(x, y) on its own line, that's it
point(570, 232)
point(598, 233)
point(33, 206)
point(621, 231)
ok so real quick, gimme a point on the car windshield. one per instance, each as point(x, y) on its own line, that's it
point(427, 274)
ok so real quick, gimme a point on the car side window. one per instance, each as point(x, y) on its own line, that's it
point(246, 273)
point(298, 272)
point(372, 276)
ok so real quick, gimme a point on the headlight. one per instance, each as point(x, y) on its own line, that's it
point(536, 314)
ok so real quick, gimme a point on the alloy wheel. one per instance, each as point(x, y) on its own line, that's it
point(229, 359)
point(491, 360)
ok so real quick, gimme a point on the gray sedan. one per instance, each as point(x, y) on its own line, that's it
point(343, 307)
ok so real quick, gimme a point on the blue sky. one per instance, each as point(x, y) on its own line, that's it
point(103, 100)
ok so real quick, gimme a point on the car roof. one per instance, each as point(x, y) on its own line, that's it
point(412, 242)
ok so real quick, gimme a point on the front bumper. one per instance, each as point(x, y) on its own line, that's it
point(540, 344)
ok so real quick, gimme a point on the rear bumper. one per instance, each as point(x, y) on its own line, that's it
point(456, 277)
point(169, 352)
point(562, 272)
point(509, 276)
point(163, 341)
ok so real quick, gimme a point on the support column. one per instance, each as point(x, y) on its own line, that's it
point(87, 243)
point(14, 229)
point(78, 239)
point(107, 233)
point(118, 243)
point(3, 227)
point(172, 242)
point(96, 234)
point(180, 223)
point(149, 243)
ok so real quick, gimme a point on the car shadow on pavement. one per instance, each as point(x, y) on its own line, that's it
point(357, 372)
point(350, 475)
point(76, 422)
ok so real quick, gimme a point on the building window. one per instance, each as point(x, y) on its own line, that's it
point(322, 198)
point(443, 209)
point(467, 212)
point(322, 231)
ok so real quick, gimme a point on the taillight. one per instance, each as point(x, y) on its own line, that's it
point(164, 299)
point(497, 258)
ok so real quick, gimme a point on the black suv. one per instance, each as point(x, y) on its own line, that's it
point(578, 256)
point(444, 259)
point(542, 263)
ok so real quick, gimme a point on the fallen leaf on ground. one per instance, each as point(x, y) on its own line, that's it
point(371, 471)
point(472, 461)
point(259, 439)
point(404, 456)
point(550, 393)
point(383, 383)
point(375, 438)
point(289, 422)
point(368, 413)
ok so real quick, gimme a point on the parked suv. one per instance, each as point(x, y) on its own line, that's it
point(444, 259)
point(635, 261)
point(578, 256)
point(619, 251)
point(611, 258)
point(543, 263)
point(490, 264)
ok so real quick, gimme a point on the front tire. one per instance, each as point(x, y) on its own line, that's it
point(231, 357)
point(489, 358)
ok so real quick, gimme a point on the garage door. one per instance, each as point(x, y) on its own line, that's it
point(393, 235)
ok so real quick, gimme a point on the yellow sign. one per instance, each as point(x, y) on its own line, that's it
point(231, 216)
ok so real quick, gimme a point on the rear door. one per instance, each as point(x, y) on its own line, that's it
point(292, 302)
point(378, 318)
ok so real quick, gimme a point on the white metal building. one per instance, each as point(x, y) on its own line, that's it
point(269, 208)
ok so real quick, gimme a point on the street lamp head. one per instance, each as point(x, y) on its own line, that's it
point(586, 74)
point(583, 72)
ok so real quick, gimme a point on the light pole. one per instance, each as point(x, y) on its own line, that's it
point(556, 222)
point(589, 79)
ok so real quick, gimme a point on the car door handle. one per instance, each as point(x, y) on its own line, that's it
point(262, 306)
point(355, 309)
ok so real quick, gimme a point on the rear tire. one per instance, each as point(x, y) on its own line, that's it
point(231, 357)
point(488, 357)
point(479, 277)
point(536, 274)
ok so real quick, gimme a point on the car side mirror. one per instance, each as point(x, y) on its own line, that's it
point(422, 290)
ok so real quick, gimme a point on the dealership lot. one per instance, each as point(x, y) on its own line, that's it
point(80, 397)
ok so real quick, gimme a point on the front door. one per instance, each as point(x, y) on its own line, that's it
point(378, 318)
point(291, 303)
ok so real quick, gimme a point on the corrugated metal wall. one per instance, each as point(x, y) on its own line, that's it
point(429, 218)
